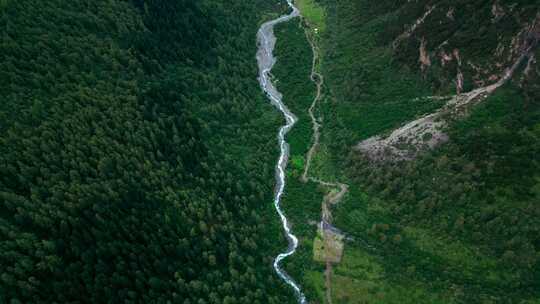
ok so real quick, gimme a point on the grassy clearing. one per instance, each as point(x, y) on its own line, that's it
point(360, 278)
point(316, 280)
point(456, 254)
point(318, 248)
point(313, 13)
point(327, 246)
point(322, 165)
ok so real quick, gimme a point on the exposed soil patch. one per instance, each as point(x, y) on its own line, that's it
point(427, 132)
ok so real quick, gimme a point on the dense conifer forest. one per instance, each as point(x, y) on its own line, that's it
point(136, 154)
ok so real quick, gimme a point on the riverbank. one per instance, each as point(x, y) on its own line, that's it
point(266, 42)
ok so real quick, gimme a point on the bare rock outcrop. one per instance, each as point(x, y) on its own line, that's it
point(428, 131)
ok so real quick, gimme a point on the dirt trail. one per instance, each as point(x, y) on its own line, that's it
point(318, 79)
point(339, 189)
point(328, 281)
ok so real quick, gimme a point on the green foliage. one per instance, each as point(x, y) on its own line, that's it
point(478, 191)
point(459, 224)
point(314, 14)
point(473, 27)
point(301, 201)
point(371, 93)
point(136, 154)
point(359, 278)
point(292, 73)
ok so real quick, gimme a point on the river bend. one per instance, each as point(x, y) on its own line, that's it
point(266, 42)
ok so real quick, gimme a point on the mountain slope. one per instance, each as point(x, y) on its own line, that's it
point(130, 136)
point(456, 224)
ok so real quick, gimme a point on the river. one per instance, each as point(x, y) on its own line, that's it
point(266, 42)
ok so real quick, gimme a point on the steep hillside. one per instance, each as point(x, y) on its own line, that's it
point(457, 45)
point(465, 44)
point(458, 223)
point(483, 48)
point(136, 154)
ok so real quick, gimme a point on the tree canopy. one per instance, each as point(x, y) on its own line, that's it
point(136, 154)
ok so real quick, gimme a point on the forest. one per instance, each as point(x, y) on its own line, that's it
point(136, 154)
point(458, 224)
point(476, 198)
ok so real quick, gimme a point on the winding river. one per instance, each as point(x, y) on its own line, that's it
point(265, 58)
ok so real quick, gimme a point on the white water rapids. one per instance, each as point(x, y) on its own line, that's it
point(265, 58)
